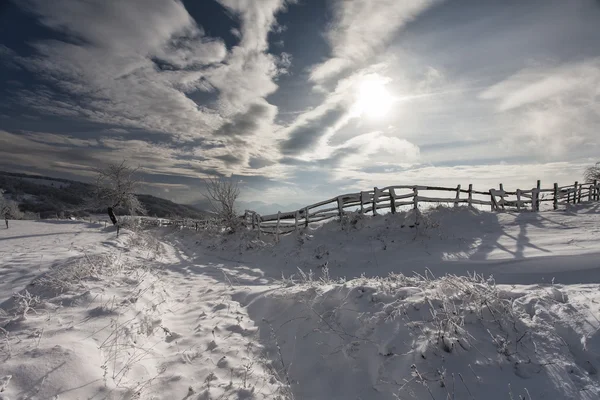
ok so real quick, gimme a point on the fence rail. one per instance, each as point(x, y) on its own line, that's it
point(393, 198)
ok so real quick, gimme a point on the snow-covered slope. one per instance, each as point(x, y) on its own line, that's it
point(334, 313)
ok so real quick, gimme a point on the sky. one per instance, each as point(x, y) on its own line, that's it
point(298, 101)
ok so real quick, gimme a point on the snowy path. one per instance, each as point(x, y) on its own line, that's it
point(116, 318)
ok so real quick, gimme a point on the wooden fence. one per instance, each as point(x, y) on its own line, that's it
point(393, 198)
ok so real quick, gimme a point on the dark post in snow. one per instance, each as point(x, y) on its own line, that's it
point(575, 192)
point(555, 202)
point(112, 216)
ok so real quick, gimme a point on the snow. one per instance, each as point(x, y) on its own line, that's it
point(448, 304)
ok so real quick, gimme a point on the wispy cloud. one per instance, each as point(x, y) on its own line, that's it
point(556, 108)
point(360, 29)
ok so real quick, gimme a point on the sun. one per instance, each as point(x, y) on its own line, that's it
point(372, 99)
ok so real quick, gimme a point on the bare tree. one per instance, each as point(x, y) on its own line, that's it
point(222, 193)
point(115, 187)
point(592, 173)
point(8, 209)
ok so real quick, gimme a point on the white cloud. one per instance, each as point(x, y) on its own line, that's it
point(361, 28)
point(556, 109)
point(134, 64)
point(375, 149)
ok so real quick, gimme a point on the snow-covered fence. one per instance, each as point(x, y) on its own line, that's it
point(393, 198)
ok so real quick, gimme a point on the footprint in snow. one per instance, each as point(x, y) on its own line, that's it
point(212, 345)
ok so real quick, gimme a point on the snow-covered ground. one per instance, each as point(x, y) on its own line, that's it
point(466, 305)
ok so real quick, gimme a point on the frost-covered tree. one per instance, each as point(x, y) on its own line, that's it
point(222, 194)
point(592, 173)
point(8, 209)
point(115, 187)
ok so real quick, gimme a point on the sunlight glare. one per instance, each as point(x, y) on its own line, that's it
point(373, 99)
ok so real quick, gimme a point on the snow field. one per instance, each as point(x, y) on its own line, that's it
point(466, 305)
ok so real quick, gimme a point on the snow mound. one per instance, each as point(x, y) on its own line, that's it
point(420, 337)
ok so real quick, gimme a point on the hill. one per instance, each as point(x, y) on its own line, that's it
point(50, 197)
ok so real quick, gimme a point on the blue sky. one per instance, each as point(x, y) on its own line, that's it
point(301, 100)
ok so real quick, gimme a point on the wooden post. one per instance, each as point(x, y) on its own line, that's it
point(518, 199)
point(470, 195)
point(296, 217)
point(537, 195)
point(415, 198)
point(579, 194)
point(277, 226)
point(393, 200)
point(362, 205)
point(375, 197)
point(501, 196)
point(340, 202)
point(595, 189)
point(306, 217)
point(590, 193)
point(492, 199)
point(575, 192)
point(258, 223)
point(457, 196)
point(555, 201)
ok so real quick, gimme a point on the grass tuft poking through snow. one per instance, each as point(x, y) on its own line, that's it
point(422, 337)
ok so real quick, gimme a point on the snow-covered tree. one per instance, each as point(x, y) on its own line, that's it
point(222, 194)
point(8, 208)
point(115, 187)
point(592, 173)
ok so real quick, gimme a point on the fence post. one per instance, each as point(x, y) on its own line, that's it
point(537, 195)
point(362, 205)
point(518, 199)
point(595, 189)
point(555, 201)
point(340, 206)
point(415, 198)
point(306, 217)
point(470, 195)
point(492, 200)
point(393, 200)
point(501, 195)
point(590, 193)
point(258, 218)
point(375, 197)
point(277, 226)
point(575, 192)
point(579, 194)
point(296, 217)
point(457, 196)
